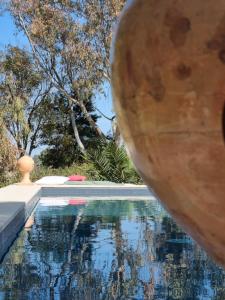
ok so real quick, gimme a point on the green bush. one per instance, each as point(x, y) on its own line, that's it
point(112, 163)
point(8, 155)
point(8, 178)
point(84, 169)
point(106, 162)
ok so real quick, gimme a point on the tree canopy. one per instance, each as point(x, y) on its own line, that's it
point(70, 42)
point(47, 89)
point(23, 93)
point(58, 134)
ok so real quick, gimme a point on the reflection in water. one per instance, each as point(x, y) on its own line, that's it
point(107, 250)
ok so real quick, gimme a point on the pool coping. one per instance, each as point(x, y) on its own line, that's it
point(18, 201)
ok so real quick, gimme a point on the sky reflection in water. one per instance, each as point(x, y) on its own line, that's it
point(108, 250)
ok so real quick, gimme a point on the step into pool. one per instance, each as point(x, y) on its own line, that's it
point(87, 250)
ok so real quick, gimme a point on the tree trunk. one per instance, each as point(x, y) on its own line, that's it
point(75, 131)
point(90, 120)
point(116, 133)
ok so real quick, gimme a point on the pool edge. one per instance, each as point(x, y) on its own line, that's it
point(16, 205)
point(18, 201)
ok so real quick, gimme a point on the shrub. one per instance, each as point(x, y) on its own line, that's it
point(106, 162)
point(84, 169)
point(112, 163)
point(8, 155)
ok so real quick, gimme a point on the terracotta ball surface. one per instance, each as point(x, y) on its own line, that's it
point(25, 164)
point(168, 75)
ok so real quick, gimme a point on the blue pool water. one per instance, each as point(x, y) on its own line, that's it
point(107, 250)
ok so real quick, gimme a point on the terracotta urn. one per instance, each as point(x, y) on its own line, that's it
point(25, 166)
point(168, 77)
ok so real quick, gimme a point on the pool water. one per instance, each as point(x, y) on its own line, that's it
point(107, 250)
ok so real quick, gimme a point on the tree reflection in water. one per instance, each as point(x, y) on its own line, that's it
point(107, 250)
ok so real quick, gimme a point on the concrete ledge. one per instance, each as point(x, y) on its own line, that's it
point(16, 204)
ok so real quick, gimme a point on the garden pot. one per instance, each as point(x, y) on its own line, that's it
point(168, 77)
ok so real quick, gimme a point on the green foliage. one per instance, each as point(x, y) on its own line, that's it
point(8, 155)
point(118, 169)
point(63, 50)
point(112, 163)
point(84, 169)
point(22, 95)
point(70, 43)
point(8, 178)
point(58, 135)
point(19, 64)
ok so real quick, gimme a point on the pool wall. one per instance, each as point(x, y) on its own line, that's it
point(88, 191)
point(18, 201)
point(16, 204)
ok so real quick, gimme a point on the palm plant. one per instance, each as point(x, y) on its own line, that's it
point(112, 163)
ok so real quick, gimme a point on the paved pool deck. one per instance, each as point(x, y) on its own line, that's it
point(18, 201)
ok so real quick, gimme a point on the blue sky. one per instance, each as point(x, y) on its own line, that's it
point(10, 35)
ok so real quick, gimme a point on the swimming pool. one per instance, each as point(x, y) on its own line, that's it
point(106, 250)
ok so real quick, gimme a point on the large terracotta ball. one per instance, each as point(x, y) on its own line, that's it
point(168, 76)
point(25, 164)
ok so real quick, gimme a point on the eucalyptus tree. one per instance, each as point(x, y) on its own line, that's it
point(57, 133)
point(23, 94)
point(8, 153)
point(99, 19)
point(70, 41)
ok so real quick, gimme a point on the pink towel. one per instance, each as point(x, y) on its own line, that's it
point(77, 178)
